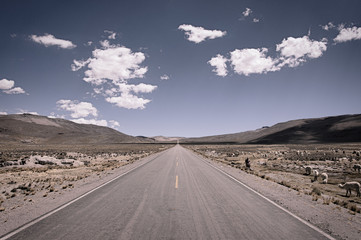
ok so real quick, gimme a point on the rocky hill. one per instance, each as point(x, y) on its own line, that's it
point(27, 128)
point(337, 129)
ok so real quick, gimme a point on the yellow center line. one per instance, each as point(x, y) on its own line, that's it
point(176, 181)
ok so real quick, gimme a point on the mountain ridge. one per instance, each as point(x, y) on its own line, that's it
point(332, 129)
point(28, 128)
point(35, 129)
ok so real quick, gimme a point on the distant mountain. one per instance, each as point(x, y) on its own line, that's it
point(166, 139)
point(337, 129)
point(27, 128)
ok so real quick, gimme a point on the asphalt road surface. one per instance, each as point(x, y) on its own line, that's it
point(175, 196)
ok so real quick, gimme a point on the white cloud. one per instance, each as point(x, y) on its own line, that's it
point(3, 113)
point(348, 34)
point(164, 77)
point(78, 110)
point(295, 50)
point(53, 115)
point(103, 123)
point(292, 52)
point(114, 124)
point(129, 101)
point(49, 40)
point(79, 64)
point(199, 34)
point(113, 62)
point(6, 84)
point(112, 35)
point(110, 68)
point(251, 60)
point(255, 20)
point(328, 26)
point(22, 111)
point(247, 12)
point(16, 90)
point(105, 43)
point(123, 87)
point(126, 98)
point(142, 88)
point(219, 62)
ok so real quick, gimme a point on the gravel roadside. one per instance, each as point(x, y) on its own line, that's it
point(39, 205)
point(332, 219)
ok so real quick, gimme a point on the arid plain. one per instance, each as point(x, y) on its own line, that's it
point(38, 172)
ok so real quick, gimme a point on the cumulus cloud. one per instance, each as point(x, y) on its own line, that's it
point(247, 12)
point(22, 111)
point(81, 112)
point(114, 124)
point(112, 35)
point(123, 87)
point(142, 88)
point(123, 95)
point(128, 100)
point(348, 34)
point(219, 62)
point(77, 109)
point(110, 68)
point(103, 123)
point(199, 34)
point(251, 60)
point(164, 77)
point(112, 62)
point(79, 64)
point(294, 51)
point(6, 84)
point(16, 90)
point(328, 26)
point(49, 40)
point(291, 52)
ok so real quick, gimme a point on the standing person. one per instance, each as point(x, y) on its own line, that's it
point(248, 164)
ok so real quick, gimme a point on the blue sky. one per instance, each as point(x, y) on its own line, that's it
point(180, 68)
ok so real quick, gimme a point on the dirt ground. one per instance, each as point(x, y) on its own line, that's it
point(278, 172)
point(35, 180)
point(38, 176)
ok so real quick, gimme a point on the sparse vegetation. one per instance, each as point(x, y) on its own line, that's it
point(286, 165)
point(316, 191)
point(28, 170)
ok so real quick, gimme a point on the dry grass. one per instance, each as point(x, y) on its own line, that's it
point(285, 165)
point(22, 177)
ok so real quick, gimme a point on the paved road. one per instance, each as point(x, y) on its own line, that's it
point(175, 196)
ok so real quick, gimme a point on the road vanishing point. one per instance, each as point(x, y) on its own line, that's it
point(176, 195)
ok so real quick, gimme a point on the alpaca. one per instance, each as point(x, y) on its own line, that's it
point(315, 175)
point(324, 177)
point(357, 167)
point(351, 186)
point(308, 170)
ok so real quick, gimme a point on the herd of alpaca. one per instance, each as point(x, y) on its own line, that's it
point(349, 186)
point(324, 176)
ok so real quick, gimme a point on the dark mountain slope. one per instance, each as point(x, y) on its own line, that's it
point(338, 129)
point(27, 128)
